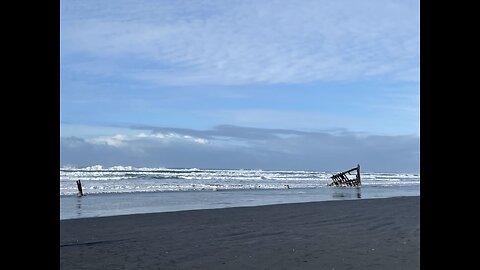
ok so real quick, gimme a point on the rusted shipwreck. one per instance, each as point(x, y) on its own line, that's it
point(341, 179)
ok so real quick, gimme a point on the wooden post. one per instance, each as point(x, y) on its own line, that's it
point(79, 186)
point(359, 182)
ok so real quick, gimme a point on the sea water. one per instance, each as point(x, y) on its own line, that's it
point(128, 190)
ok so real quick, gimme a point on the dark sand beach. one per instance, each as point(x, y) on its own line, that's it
point(350, 234)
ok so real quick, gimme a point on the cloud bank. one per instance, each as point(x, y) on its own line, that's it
point(244, 147)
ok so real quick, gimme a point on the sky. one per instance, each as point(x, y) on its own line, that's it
point(271, 84)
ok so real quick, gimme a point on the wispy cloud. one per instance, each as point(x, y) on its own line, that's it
point(239, 42)
point(244, 147)
point(121, 140)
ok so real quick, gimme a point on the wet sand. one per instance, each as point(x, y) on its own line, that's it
point(349, 234)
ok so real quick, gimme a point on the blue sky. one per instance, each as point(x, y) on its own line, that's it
point(173, 83)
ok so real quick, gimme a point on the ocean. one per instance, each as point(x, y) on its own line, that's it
point(121, 190)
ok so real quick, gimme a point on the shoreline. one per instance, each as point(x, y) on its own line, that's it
point(112, 204)
point(380, 233)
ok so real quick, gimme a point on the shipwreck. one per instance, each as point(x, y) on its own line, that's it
point(341, 179)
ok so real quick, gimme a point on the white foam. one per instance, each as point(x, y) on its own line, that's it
point(119, 179)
